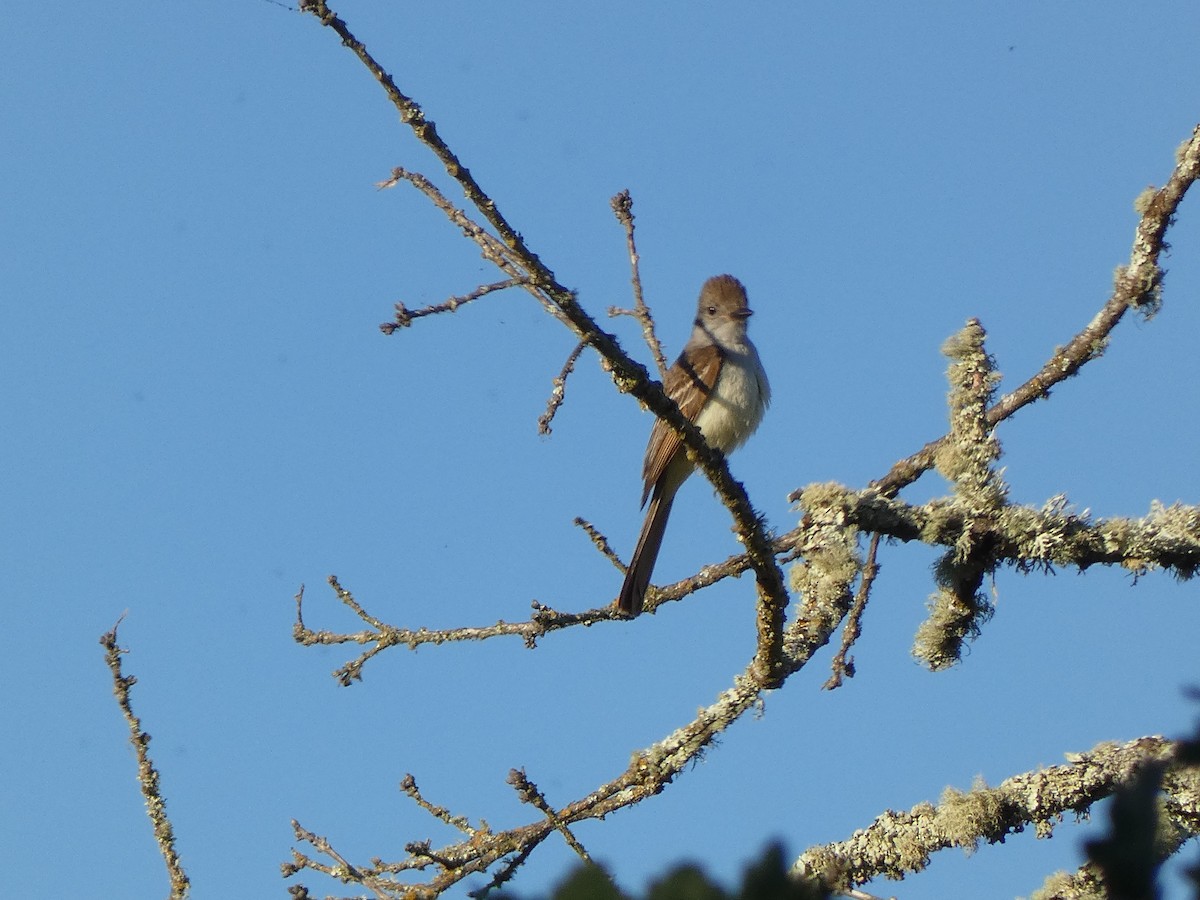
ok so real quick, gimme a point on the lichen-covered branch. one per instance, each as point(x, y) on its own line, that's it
point(148, 778)
point(648, 773)
point(1138, 285)
point(966, 459)
point(900, 843)
point(1151, 818)
point(1167, 538)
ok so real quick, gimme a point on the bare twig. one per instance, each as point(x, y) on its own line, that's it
point(381, 635)
point(600, 541)
point(409, 785)
point(342, 870)
point(529, 793)
point(148, 777)
point(559, 392)
point(405, 316)
point(506, 872)
point(622, 206)
point(842, 666)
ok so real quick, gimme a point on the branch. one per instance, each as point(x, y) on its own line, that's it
point(413, 116)
point(622, 205)
point(381, 635)
point(843, 664)
point(559, 392)
point(1152, 817)
point(405, 316)
point(1137, 286)
point(1168, 537)
point(1021, 536)
point(148, 778)
point(649, 771)
point(897, 844)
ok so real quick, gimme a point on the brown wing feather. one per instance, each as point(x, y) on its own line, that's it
point(689, 383)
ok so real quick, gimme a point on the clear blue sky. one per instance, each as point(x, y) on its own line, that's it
point(200, 414)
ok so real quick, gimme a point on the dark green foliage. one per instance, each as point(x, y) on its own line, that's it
point(588, 883)
point(768, 879)
point(685, 882)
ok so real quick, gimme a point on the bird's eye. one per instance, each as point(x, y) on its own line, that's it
point(712, 310)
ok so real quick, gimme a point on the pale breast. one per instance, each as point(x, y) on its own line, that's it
point(738, 401)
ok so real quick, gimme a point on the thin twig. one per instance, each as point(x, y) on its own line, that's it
point(505, 873)
point(559, 391)
point(148, 777)
point(405, 316)
point(529, 793)
point(622, 205)
point(409, 785)
point(600, 541)
point(343, 870)
point(381, 635)
point(842, 666)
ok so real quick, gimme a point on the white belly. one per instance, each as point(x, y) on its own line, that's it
point(738, 401)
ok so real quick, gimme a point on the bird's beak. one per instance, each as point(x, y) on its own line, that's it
point(743, 313)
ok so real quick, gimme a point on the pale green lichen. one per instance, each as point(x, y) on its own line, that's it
point(966, 818)
point(1070, 886)
point(1141, 203)
point(828, 565)
point(966, 457)
point(967, 454)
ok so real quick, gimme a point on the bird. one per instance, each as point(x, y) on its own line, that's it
point(720, 386)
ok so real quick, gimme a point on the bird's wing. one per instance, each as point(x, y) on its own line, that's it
point(689, 382)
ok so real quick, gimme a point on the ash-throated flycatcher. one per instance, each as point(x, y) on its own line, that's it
point(719, 384)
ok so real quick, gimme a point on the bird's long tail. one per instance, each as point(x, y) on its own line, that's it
point(641, 566)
